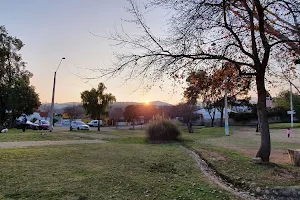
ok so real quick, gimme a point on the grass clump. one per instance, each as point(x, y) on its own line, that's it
point(162, 131)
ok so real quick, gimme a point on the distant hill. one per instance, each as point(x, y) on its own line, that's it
point(123, 105)
point(160, 103)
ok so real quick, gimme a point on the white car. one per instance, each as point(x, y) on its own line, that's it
point(94, 123)
point(79, 125)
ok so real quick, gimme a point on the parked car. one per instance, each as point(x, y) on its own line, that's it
point(94, 123)
point(79, 125)
point(42, 124)
point(29, 125)
point(17, 123)
point(32, 126)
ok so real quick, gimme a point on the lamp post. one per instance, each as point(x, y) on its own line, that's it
point(291, 104)
point(53, 92)
point(226, 109)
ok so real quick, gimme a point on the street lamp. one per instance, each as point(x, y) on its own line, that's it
point(53, 92)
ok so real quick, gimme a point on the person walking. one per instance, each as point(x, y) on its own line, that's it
point(288, 132)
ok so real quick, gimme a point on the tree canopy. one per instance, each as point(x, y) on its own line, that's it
point(131, 113)
point(211, 88)
point(96, 102)
point(74, 112)
point(17, 96)
point(282, 100)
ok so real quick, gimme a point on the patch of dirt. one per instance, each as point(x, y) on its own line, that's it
point(279, 156)
point(214, 155)
point(45, 143)
point(286, 174)
point(246, 129)
point(246, 141)
point(92, 135)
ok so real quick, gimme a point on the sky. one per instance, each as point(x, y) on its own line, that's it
point(62, 28)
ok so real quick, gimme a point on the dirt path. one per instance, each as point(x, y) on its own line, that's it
point(247, 141)
point(45, 143)
point(97, 136)
point(211, 175)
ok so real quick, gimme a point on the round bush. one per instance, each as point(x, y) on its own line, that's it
point(162, 130)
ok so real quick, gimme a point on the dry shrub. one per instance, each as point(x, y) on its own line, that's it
point(162, 130)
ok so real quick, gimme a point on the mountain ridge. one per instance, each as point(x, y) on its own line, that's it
point(116, 104)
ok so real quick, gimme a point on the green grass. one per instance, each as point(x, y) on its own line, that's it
point(125, 136)
point(35, 135)
point(237, 167)
point(283, 125)
point(126, 167)
point(103, 171)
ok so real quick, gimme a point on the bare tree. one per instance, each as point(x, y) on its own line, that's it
point(204, 34)
point(116, 114)
point(74, 112)
point(45, 108)
point(186, 114)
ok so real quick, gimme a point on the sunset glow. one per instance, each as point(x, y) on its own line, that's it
point(147, 102)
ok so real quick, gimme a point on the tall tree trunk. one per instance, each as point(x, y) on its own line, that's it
point(99, 124)
point(212, 120)
point(265, 146)
point(70, 124)
point(222, 115)
point(2, 117)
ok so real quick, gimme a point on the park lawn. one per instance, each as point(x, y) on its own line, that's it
point(234, 164)
point(113, 170)
point(126, 136)
point(14, 135)
point(283, 125)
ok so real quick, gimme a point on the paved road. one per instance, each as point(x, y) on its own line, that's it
point(44, 143)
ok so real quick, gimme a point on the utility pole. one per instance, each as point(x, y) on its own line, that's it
point(291, 104)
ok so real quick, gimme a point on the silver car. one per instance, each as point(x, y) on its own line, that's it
point(79, 125)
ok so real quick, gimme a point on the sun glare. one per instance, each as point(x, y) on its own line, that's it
point(147, 102)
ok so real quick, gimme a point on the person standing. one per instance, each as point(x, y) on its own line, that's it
point(24, 121)
point(288, 132)
point(40, 125)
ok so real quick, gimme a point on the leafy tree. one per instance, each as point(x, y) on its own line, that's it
point(211, 89)
point(96, 102)
point(16, 93)
point(116, 114)
point(148, 111)
point(186, 113)
point(250, 34)
point(23, 98)
point(283, 101)
point(74, 112)
point(131, 113)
